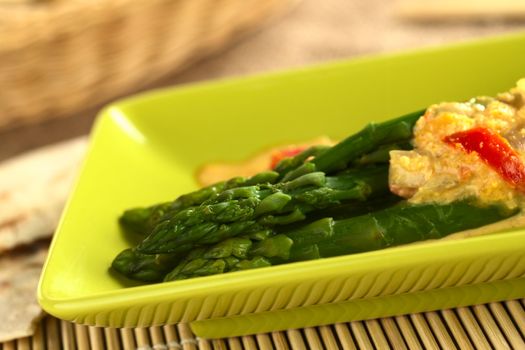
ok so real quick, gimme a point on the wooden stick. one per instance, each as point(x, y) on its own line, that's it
point(128, 340)
point(234, 344)
point(96, 337)
point(457, 330)
point(518, 314)
point(439, 329)
point(264, 341)
point(409, 334)
point(312, 338)
point(38, 340)
point(423, 329)
point(82, 337)
point(249, 343)
point(52, 333)
point(473, 329)
point(67, 335)
point(112, 338)
point(345, 337)
point(172, 338)
point(361, 336)
point(505, 322)
point(376, 334)
point(279, 341)
point(393, 334)
point(490, 327)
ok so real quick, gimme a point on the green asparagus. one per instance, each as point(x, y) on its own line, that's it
point(368, 146)
point(326, 237)
point(144, 267)
point(252, 208)
point(402, 224)
point(323, 202)
point(366, 141)
point(143, 220)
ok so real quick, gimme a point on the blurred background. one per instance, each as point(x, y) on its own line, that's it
point(62, 60)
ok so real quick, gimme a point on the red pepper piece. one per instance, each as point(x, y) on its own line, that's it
point(494, 150)
point(284, 153)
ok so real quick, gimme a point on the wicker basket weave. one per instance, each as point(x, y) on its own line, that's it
point(63, 57)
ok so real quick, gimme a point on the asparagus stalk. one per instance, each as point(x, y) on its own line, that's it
point(402, 224)
point(144, 267)
point(365, 141)
point(382, 153)
point(228, 255)
point(274, 246)
point(326, 237)
point(143, 220)
point(249, 209)
point(374, 138)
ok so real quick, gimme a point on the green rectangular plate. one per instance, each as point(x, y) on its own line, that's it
point(146, 149)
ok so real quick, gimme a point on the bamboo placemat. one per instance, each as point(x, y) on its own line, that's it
point(495, 325)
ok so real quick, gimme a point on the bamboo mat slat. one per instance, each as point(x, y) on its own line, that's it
point(502, 318)
point(439, 330)
point(490, 327)
point(409, 333)
point(392, 333)
point(279, 341)
point(38, 339)
point(264, 341)
point(249, 343)
point(112, 339)
point(234, 344)
point(10, 345)
point(172, 339)
point(518, 315)
point(344, 335)
point(82, 337)
point(359, 331)
point(296, 339)
point(312, 338)
point(494, 325)
point(455, 327)
point(376, 334)
point(424, 332)
point(187, 339)
point(23, 344)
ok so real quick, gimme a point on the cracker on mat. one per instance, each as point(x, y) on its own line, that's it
point(19, 275)
point(33, 190)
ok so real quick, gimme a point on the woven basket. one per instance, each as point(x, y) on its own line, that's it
point(64, 57)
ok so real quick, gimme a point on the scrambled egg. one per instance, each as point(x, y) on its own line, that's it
point(436, 172)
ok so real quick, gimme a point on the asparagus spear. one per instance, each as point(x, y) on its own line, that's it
point(144, 267)
point(278, 247)
point(228, 255)
point(372, 139)
point(291, 163)
point(143, 220)
point(365, 141)
point(403, 224)
point(382, 153)
point(326, 237)
point(251, 209)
